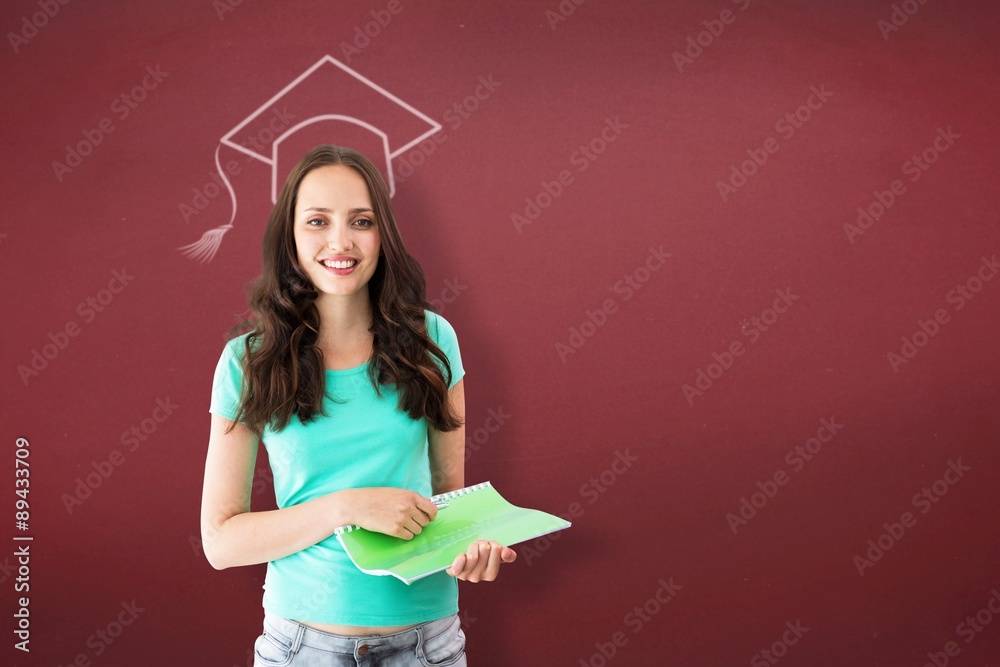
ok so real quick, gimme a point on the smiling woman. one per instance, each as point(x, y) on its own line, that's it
point(355, 386)
point(336, 242)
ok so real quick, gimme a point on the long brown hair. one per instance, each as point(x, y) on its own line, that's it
point(284, 370)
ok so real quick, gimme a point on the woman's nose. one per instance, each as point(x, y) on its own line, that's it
point(339, 237)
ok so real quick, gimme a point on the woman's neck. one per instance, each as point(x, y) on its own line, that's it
point(344, 320)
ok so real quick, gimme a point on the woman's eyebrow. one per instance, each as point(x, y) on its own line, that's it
point(353, 211)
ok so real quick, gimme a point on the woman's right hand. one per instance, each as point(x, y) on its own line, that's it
point(390, 510)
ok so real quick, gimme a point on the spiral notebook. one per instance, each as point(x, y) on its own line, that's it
point(463, 517)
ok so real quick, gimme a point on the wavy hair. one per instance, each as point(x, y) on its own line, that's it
point(283, 372)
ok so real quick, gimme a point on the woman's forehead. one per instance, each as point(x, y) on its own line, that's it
point(335, 188)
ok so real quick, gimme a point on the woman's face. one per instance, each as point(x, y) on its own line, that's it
point(334, 220)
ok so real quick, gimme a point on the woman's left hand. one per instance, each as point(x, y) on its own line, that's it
point(481, 562)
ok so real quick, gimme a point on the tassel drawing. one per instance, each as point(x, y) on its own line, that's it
point(204, 249)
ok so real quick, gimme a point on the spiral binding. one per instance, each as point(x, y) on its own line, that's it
point(450, 495)
point(459, 492)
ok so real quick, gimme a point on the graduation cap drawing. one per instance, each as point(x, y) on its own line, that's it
point(328, 103)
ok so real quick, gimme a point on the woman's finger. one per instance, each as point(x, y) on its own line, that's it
point(472, 557)
point(412, 526)
point(493, 563)
point(457, 566)
point(483, 550)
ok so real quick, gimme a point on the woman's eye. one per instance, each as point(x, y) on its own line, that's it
point(365, 222)
point(319, 220)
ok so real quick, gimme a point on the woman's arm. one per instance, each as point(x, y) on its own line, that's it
point(232, 535)
point(447, 450)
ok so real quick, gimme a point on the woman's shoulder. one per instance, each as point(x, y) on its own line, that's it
point(440, 330)
point(236, 345)
point(437, 323)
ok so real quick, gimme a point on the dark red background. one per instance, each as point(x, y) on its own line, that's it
point(655, 184)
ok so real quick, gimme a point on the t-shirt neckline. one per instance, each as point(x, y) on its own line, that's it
point(346, 371)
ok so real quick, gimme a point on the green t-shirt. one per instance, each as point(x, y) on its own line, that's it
point(365, 441)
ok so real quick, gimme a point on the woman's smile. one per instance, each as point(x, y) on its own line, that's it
point(340, 266)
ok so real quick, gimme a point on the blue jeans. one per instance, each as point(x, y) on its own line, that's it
point(287, 643)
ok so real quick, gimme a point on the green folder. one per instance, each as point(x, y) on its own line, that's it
point(473, 512)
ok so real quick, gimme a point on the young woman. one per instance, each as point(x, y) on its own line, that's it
point(355, 387)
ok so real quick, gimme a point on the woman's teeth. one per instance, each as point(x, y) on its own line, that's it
point(340, 265)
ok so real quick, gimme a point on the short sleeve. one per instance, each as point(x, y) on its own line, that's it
point(228, 381)
point(445, 337)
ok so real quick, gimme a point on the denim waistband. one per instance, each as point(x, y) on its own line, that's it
point(298, 635)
